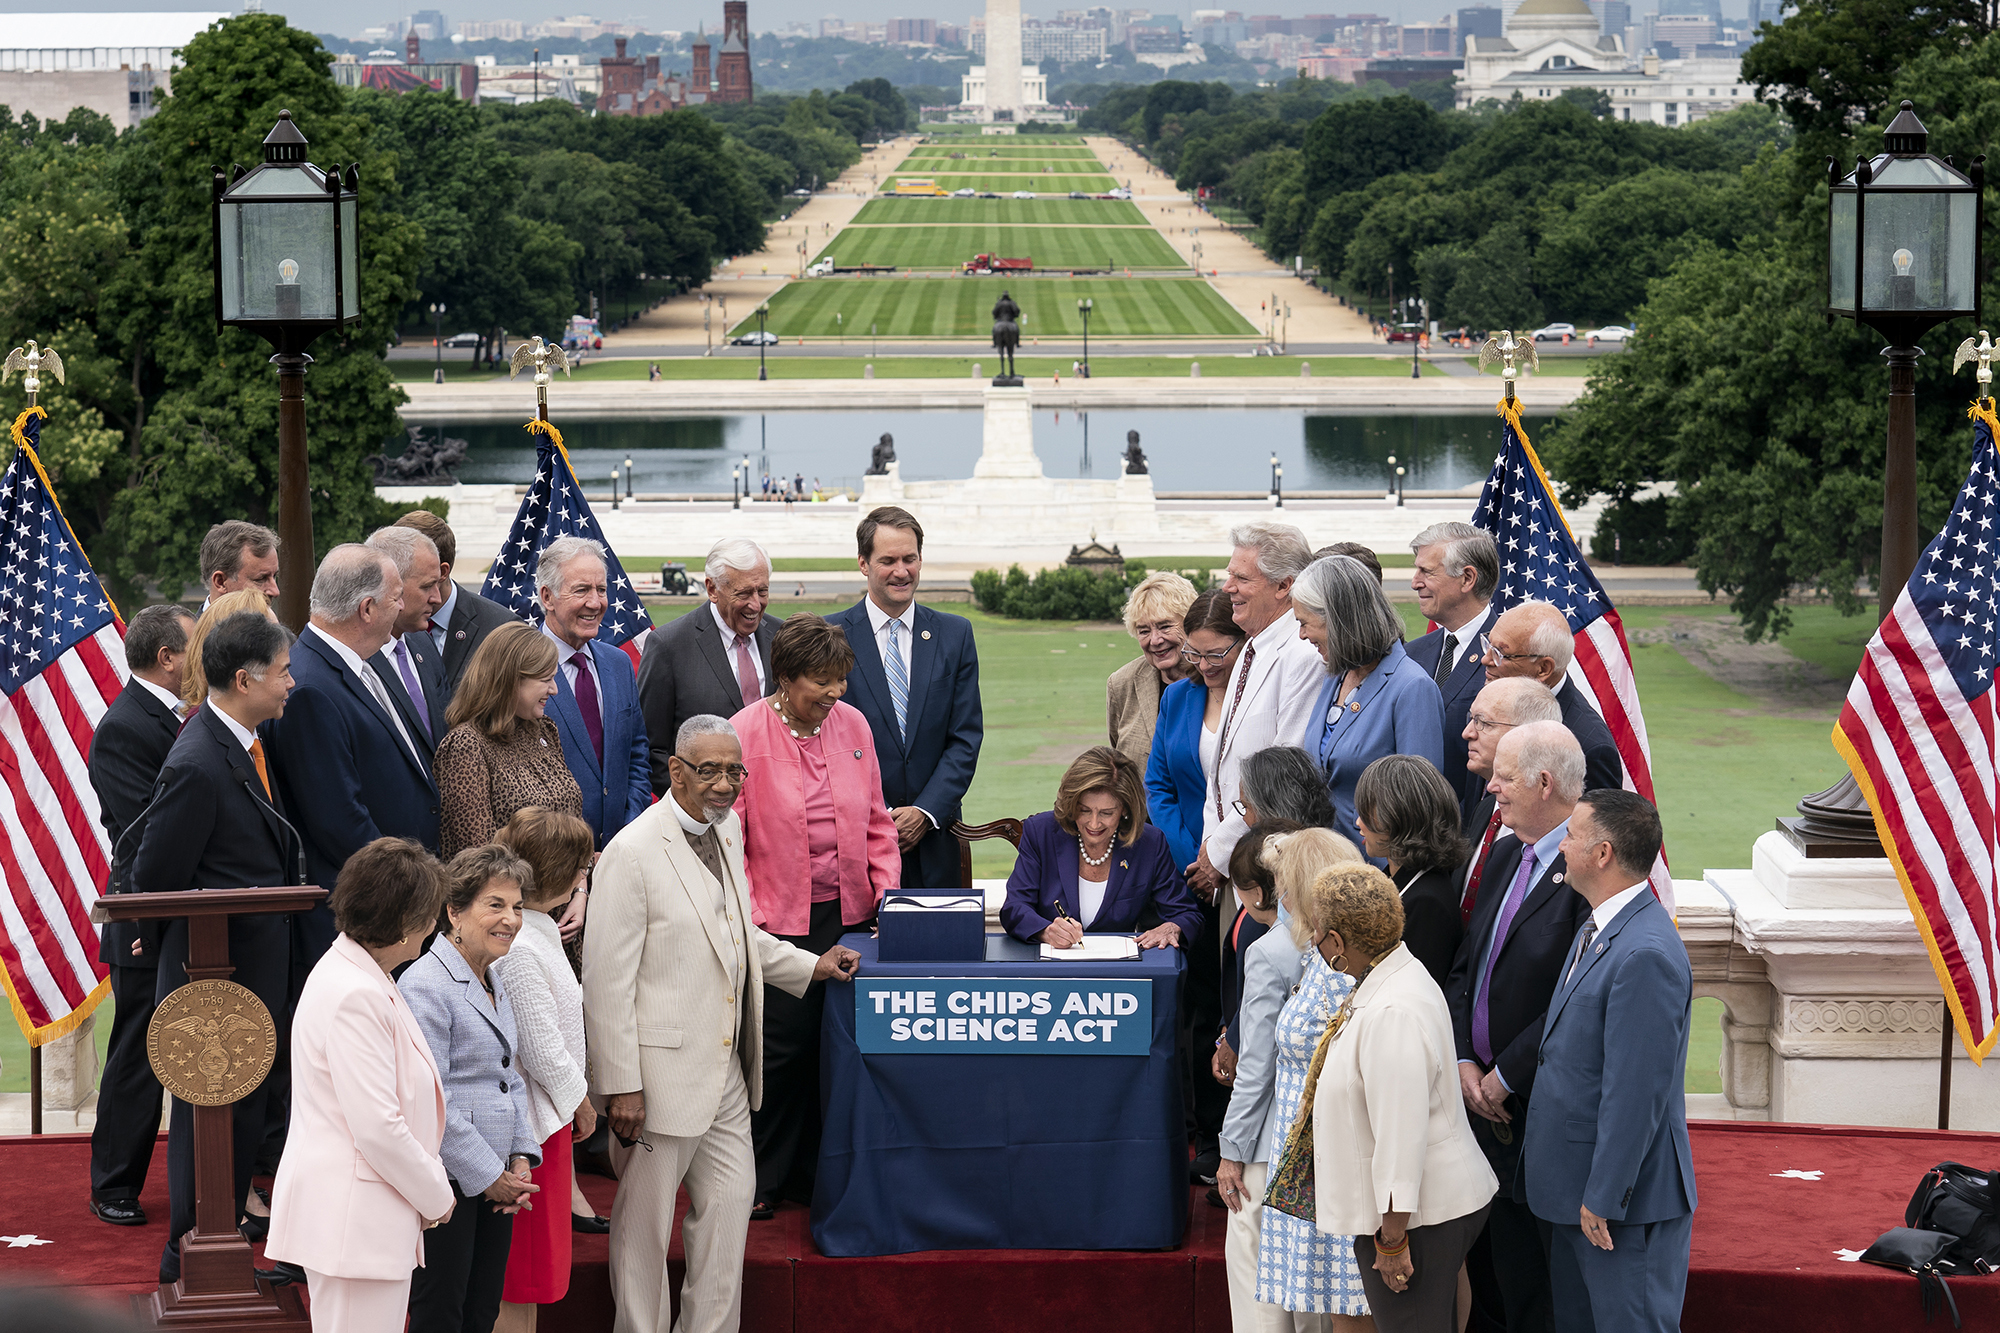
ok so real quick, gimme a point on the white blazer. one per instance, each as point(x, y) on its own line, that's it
point(1283, 685)
point(660, 1014)
point(361, 1170)
point(1388, 1120)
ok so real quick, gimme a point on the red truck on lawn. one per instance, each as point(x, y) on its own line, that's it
point(994, 264)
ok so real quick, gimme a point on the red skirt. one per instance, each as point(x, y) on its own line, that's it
point(538, 1262)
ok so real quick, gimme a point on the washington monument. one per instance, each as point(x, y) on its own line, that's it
point(1003, 59)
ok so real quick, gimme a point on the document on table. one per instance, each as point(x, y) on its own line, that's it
point(1095, 949)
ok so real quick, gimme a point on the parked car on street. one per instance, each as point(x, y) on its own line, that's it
point(967, 193)
point(765, 339)
point(1610, 333)
point(1024, 194)
point(1555, 332)
point(1121, 193)
point(462, 340)
point(1078, 194)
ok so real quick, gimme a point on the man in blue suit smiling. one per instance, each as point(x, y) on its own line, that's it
point(596, 707)
point(1605, 1163)
point(916, 680)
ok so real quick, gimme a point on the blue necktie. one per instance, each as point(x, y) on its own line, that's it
point(899, 678)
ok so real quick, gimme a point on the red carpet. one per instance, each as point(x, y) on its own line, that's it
point(1764, 1250)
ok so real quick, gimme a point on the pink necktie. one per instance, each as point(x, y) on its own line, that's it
point(746, 673)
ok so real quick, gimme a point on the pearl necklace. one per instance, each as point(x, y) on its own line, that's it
point(1085, 854)
point(788, 725)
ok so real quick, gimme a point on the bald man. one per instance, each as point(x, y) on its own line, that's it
point(1533, 639)
point(1500, 707)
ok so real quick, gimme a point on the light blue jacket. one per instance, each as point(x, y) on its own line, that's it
point(1271, 968)
point(486, 1118)
point(1397, 710)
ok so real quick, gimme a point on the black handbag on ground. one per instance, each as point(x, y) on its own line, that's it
point(1920, 1253)
point(1963, 1203)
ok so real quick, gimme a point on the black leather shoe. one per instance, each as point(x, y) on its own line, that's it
point(281, 1273)
point(763, 1210)
point(589, 1226)
point(1204, 1166)
point(118, 1212)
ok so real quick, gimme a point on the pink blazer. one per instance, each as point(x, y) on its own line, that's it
point(772, 806)
point(361, 1170)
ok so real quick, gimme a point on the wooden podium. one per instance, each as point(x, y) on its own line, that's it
point(218, 1288)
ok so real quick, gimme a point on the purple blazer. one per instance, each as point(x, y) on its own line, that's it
point(1143, 876)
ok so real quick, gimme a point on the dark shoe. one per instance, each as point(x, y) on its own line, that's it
point(589, 1226)
point(118, 1212)
point(254, 1228)
point(1214, 1197)
point(281, 1273)
point(1204, 1166)
point(763, 1210)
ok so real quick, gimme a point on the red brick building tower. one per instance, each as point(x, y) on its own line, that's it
point(732, 69)
point(699, 82)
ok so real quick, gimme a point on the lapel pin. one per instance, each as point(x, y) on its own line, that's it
point(1122, 865)
point(857, 754)
point(1556, 878)
point(458, 634)
point(926, 634)
point(1599, 948)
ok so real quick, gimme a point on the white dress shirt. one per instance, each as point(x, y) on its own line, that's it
point(440, 628)
point(166, 696)
point(880, 620)
point(1605, 913)
point(1089, 899)
point(564, 651)
point(1468, 636)
point(380, 692)
point(244, 735)
point(729, 637)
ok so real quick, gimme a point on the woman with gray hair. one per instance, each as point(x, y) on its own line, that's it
point(1375, 701)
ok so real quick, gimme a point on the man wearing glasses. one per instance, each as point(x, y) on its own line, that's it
point(1457, 567)
point(673, 996)
point(1533, 639)
point(1503, 705)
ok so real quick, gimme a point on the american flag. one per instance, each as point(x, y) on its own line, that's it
point(1917, 732)
point(555, 507)
point(62, 662)
point(1541, 561)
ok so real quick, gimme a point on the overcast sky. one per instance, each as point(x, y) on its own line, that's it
point(347, 17)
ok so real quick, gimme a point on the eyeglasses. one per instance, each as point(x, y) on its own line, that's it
point(1219, 656)
point(710, 772)
point(1486, 649)
point(1486, 724)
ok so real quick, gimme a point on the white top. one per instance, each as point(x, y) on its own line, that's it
point(244, 736)
point(1089, 899)
point(548, 1019)
point(729, 637)
point(164, 695)
point(568, 668)
point(1207, 755)
point(880, 620)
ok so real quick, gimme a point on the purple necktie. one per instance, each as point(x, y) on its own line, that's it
point(422, 709)
point(586, 703)
point(1482, 1036)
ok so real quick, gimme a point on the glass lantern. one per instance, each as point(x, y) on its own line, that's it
point(1903, 236)
point(285, 259)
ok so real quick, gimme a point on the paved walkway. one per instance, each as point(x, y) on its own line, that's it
point(1244, 275)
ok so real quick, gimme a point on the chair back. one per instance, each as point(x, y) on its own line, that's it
point(967, 834)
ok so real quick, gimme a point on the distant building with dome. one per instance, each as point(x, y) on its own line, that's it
point(1547, 47)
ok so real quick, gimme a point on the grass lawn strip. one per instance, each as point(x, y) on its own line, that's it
point(995, 183)
point(963, 307)
point(783, 367)
point(948, 247)
point(1002, 212)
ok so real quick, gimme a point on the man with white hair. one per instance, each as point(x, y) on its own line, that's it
point(596, 707)
point(673, 1008)
point(715, 659)
point(1533, 639)
point(349, 765)
point(1457, 568)
point(411, 664)
point(1508, 964)
point(1499, 708)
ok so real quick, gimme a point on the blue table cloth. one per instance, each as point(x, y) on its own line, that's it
point(1033, 1152)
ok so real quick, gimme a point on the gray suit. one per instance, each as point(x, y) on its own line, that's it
point(476, 1049)
point(687, 670)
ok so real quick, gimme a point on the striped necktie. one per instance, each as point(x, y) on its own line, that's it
point(899, 677)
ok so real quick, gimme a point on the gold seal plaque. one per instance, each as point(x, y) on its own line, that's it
point(211, 1042)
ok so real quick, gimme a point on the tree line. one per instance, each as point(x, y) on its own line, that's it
point(510, 216)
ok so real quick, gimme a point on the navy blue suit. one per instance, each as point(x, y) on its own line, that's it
point(930, 765)
point(1175, 783)
point(1459, 689)
point(345, 774)
point(1607, 1127)
point(429, 666)
point(617, 791)
point(1145, 884)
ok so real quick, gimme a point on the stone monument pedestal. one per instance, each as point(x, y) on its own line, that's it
point(1833, 1014)
point(1007, 444)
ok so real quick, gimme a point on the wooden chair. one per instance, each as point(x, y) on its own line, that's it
point(967, 834)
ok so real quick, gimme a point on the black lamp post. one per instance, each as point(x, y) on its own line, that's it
point(437, 315)
point(763, 310)
point(628, 476)
point(735, 492)
point(1083, 308)
point(286, 268)
point(1277, 483)
point(1416, 338)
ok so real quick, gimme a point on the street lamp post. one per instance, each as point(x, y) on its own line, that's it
point(614, 485)
point(628, 476)
point(1277, 483)
point(287, 268)
point(735, 495)
point(1083, 308)
point(437, 315)
point(763, 312)
point(1416, 339)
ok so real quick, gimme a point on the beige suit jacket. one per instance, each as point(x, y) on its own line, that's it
point(1132, 708)
point(660, 1014)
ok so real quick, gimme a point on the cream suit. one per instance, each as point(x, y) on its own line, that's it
point(673, 986)
point(360, 1171)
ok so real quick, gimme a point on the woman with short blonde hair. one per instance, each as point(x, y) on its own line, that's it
point(502, 753)
point(1394, 1164)
point(1101, 768)
point(1154, 610)
point(194, 682)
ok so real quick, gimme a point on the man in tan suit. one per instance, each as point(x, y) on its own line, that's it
point(673, 986)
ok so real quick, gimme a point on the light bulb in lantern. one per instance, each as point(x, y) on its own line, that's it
point(1902, 259)
point(288, 271)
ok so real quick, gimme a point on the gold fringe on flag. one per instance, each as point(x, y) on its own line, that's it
point(541, 427)
point(21, 425)
point(1510, 408)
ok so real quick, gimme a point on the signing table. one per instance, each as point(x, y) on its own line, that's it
point(1004, 1104)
